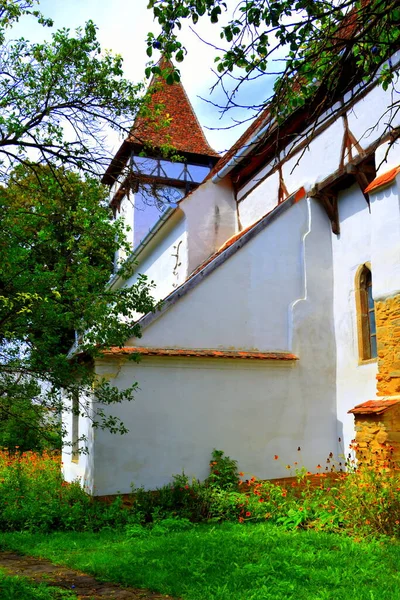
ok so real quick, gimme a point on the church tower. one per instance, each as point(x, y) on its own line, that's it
point(165, 156)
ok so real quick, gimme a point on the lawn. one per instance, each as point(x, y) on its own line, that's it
point(19, 588)
point(227, 562)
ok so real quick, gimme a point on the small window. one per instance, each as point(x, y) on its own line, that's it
point(367, 345)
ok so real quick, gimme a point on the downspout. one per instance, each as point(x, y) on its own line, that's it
point(244, 151)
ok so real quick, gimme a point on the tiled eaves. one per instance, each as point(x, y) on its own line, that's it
point(200, 353)
point(219, 258)
point(377, 407)
point(383, 180)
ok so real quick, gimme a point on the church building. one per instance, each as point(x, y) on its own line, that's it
point(278, 267)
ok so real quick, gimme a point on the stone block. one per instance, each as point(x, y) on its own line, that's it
point(382, 436)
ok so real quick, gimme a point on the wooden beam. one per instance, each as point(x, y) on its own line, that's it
point(328, 199)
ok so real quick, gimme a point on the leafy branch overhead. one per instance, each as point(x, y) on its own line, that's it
point(328, 46)
point(58, 98)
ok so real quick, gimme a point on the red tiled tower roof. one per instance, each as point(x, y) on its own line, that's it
point(183, 131)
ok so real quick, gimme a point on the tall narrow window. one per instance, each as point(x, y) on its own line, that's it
point(75, 429)
point(366, 325)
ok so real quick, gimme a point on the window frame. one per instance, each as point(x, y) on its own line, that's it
point(363, 282)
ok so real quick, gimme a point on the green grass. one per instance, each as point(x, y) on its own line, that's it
point(20, 588)
point(228, 562)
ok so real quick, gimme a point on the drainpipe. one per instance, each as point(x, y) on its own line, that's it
point(244, 151)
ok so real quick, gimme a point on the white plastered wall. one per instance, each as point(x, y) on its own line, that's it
point(356, 382)
point(211, 218)
point(322, 155)
point(244, 303)
point(385, 238)
point(82, 469)
point(165, 260)
point(125, 214)
point(262, 200)
point(251, 410)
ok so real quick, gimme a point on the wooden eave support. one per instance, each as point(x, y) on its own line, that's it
point(326, 192)
point(363, 174)
point(328, 199)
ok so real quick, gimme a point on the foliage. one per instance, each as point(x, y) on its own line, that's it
point(364, 503)
point(57, 101)
point(57, 242)
point(23, 589)
point(223, 471)
point(221, 562)
point(57, 97)
point(36, 498)
point(27, 425)
point(328, 46)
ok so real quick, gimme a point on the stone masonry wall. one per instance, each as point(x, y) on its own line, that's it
point(388, 336)
point(372, 444)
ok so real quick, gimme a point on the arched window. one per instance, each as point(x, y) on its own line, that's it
point(365, 305)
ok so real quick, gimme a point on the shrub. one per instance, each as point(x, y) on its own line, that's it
point(362, 502)
point(35, 497)
point(224, 473)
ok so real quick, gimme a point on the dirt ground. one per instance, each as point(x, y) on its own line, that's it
point(84, 586)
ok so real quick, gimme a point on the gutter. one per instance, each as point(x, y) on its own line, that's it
point(149, 236)
point(244, 151)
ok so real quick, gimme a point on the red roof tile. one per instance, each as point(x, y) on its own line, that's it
point(200, 353)
point(373, 407)
point(383, 180)
point(183, 132)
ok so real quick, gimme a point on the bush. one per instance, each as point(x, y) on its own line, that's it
point(362, 502)
point(35, 497)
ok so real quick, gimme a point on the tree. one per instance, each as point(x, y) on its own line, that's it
point(58, 98)
point(329, 47)
point(57, 242)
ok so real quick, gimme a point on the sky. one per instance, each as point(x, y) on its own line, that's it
point(122, 28)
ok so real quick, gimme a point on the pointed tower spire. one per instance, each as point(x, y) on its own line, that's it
point(175, 123)
point(172, 123)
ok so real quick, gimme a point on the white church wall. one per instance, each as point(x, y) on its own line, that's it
point(368, 119)
point(262, 200)
point(211, 219)
point(251, 410)
point(165, 260)
point(255, 181)
point(322, 156)
point(186, 408)
point(319, 160)
point(356, 382)
point(245, 302)
point(125, 213)
point(78, 468)
point(385, 238)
